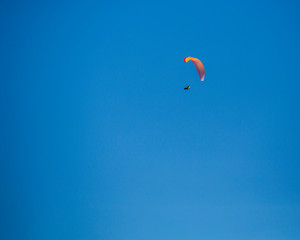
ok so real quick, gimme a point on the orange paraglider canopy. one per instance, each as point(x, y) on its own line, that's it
point(199, 66)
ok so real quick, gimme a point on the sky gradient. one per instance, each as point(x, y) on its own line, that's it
point(100, 141)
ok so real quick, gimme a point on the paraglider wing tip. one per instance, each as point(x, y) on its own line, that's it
point(185, 59)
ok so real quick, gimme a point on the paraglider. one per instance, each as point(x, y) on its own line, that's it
point(187, 88)
point(199, 66)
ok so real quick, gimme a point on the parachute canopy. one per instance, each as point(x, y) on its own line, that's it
point(199, 66)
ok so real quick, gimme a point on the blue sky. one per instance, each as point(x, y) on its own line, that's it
point(100, 141)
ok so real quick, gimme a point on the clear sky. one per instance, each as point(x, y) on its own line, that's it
point(100, 141)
